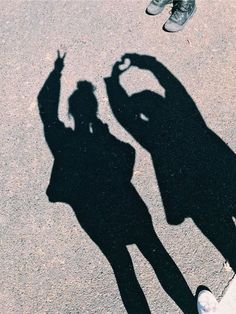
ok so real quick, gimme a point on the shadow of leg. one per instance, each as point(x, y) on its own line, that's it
point(221, 231)
point(130, 290)
point(167, 272)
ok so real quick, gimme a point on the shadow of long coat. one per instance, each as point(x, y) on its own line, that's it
point(195, 169)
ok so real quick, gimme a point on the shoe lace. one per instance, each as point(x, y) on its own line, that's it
point(179, 8)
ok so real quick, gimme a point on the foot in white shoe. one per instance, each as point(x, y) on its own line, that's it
point(207, 303)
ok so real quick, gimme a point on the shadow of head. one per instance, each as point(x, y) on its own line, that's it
point(83, 105)
point(147, 99)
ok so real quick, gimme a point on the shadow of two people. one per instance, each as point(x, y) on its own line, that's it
point(92, 173)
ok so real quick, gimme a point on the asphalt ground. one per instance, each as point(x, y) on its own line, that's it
point(48, 263)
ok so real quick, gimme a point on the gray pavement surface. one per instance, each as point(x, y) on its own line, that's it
point(48, 263)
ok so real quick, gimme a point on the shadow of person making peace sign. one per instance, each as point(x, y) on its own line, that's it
point(195, 169)
point(92, 173)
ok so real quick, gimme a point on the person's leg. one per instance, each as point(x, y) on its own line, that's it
point(167, 271)
point(130, 290)
point(156, 6)
point(182, 11)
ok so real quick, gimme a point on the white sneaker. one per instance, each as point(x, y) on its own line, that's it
point(207, 303)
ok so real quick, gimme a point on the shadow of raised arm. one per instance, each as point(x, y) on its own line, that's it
point(118, 98)
point(48, 103)
point(175, 93)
